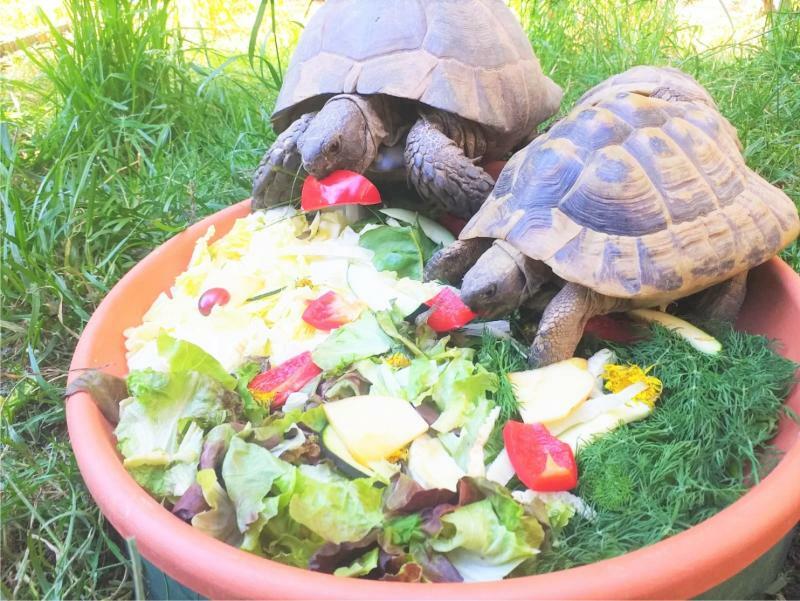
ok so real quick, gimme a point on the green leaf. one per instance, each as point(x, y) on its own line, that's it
point(220, 520)
point(460, 387)
point(356, 340)
point(250, 472)
point(254, 411)
point(278, 424)
point(337, 509)
point(361, 566)
point(182, 355)
point(403, 250)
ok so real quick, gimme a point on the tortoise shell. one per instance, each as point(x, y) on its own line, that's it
point(634, 195)
point(468, 57)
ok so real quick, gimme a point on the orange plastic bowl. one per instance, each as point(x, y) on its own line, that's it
point(684, 565)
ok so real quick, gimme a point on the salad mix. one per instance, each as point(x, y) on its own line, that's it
point(301, 394)
point(297, 394)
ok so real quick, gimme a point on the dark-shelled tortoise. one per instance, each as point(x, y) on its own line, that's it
point(426, 87)
point(639, 197)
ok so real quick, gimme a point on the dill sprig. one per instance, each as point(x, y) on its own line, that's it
point(707, 441)
point(501, 356)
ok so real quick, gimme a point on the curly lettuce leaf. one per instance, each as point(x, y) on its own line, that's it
point(182, 356)
point(356, 340)
point(337, 509)
point(487, 539)
point(254, 411)
point(220, 520)
point(160, 431)
point(250, 472)
point(459, 389)
point(361, 566)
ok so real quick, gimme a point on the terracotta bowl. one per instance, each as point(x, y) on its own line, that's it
point(684, 565)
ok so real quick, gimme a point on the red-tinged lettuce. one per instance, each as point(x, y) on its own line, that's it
point(107, 391)
point(406, 496)
point(219, 520)
point(330, 556)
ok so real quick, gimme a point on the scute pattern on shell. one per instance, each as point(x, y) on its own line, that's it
point(468, 57)
point(635, 196)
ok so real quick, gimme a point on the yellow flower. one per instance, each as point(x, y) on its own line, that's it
point(264, 398)
point(398, 455)
point(398, 361)
point(619, 377)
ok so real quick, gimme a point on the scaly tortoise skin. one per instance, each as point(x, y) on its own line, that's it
point(449, 82)
point(638, 197)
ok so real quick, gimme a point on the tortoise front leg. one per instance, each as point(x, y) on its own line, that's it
point(441, 172)
point(563, 321)
point(454, 260)
point(277, 178)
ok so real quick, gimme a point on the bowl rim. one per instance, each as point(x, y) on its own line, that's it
point(688, 563)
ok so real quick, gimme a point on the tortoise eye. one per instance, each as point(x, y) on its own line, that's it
point(491, 290)
point(334, 146)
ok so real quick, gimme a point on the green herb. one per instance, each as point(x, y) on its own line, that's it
point(501, 356)
point(403, 250)
point(697, 453)
point(265, 294)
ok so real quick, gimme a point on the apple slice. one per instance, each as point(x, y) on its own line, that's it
point(700, 340)
point(374, 427)
point(551, 393)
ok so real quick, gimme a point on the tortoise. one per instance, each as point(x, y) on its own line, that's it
point(639, 197)
point(428, 88)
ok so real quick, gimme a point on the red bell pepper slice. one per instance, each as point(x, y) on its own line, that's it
point(453, 224)
point(338, 189)
point(541, 461)
point(329, 312)
point(610, 328)
point(211, 298)
point(448, 311)
point(275, 384)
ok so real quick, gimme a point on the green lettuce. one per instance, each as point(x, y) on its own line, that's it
point(250, 472)
point(361, 566)
point(278, 424)
point(486, 540)
point(337, 509)
point(356, 340)
point(253, 411)
point(160, 431)
point(403, 250)
point(182, 356)
point(459, 389)
point(220, 520)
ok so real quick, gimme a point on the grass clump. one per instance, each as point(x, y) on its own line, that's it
point(706, 442)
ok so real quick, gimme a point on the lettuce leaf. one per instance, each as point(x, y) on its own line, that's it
point(356, 340)
point(253, 411)
point(402, 250)
point(182, 356)
point(220, 520)
point(160, 431)
point(487, 539)
point(361, 566)
point(250, 472)
point(458, 391)
point(335, 508)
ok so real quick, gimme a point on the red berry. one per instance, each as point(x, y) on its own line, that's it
point(212, 297)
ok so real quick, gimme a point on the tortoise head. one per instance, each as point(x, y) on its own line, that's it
point(495, 285)
point(337, 138)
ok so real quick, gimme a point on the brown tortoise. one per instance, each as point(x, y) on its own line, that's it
point(426, 88)
point(639, 197)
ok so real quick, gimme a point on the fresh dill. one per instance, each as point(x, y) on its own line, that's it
point(501, 356)
point(697, 453)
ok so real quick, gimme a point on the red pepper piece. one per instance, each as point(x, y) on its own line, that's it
point(448, 311)
point(610, 328)
point(541, 461)
point(275, 384)
point(211, 298)
point(337, 189)
point(329, 312)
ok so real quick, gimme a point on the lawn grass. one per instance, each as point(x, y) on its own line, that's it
point(117, 137)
